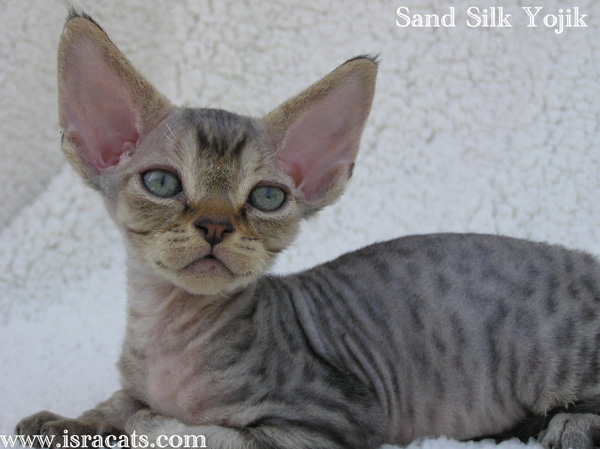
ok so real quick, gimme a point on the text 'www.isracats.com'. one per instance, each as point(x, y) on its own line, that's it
point(133, 441)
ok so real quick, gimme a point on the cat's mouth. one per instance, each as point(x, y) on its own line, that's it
point(207, 265)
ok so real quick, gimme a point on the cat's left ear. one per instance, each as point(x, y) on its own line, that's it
point(317, 132)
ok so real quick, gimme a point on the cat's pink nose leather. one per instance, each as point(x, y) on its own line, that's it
point(214, 232)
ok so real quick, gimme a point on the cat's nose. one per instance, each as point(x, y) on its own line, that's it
point(214, 231)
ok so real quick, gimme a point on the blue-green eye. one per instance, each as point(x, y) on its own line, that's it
point(162, 183)
point(267, 198)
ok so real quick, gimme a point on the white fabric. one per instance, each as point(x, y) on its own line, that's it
point(472, 129)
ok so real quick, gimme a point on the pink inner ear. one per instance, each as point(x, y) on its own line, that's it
point(95, 105)
point(323, 138)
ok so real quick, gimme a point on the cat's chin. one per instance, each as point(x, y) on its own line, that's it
point(206, 276)
point(212, 287)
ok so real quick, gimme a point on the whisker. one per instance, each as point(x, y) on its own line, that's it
point(170, 130)
point(169, 139)
point(175, 141)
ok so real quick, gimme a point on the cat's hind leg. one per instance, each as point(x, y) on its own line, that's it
point(554, 432)
point(568, 430)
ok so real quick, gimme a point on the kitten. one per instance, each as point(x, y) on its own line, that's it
point(456, 335)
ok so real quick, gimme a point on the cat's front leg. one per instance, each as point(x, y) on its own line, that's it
point(107, 418)
point(156, 430)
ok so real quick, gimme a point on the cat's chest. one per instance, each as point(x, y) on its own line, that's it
point(175, 361)
point(186, 384)
point(173, 384)
point(169, 349)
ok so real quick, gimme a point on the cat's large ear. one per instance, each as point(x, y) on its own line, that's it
point(317, 132)
point(106, 108)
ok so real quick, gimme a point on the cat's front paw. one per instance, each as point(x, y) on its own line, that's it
point(569, 430)
point(38, 425)
point(49, 430)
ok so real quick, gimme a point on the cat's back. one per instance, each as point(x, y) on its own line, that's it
point(495, 327)
point(466, 270)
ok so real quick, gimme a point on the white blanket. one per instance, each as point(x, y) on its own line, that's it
point(472, 129)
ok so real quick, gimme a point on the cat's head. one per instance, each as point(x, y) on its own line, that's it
point(205, 198)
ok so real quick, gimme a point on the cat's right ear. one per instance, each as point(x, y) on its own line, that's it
point(106, 108)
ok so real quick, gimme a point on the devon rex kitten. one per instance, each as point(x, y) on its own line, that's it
point(456, 335)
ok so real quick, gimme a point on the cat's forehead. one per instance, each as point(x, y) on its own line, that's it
point(219, 134)
point(216, 150)
point(214, 137)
